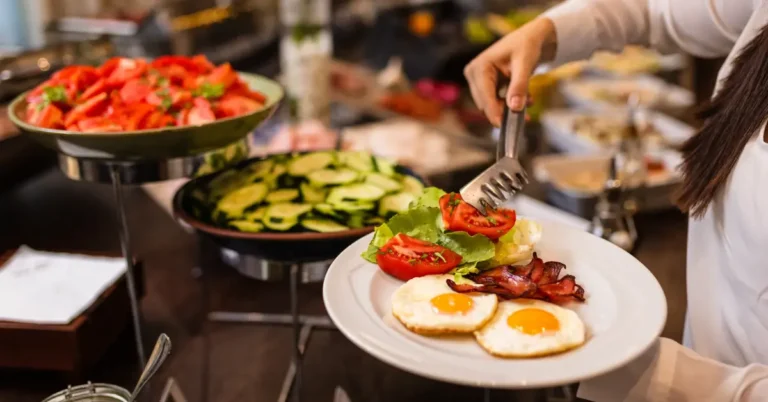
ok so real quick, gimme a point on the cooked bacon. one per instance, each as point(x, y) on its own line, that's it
point(536, 280)
point(551, 272)
point(566, 286)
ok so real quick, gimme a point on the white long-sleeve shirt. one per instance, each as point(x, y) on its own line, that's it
point(727, 261)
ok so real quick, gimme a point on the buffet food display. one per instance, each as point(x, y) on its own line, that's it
point(134, 94)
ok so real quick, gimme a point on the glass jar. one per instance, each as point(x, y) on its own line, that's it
point(305, 54)
point(91, 393)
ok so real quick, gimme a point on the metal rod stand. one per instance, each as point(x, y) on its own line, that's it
point(302, 326)
point(125, 245)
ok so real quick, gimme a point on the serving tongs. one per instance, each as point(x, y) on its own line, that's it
point(503, 179)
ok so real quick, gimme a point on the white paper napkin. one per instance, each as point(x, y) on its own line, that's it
point(53, 288)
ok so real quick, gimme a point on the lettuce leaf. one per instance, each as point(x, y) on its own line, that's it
point(471, 248)
point(464, 269)
point(429, 198)
point(425, 223)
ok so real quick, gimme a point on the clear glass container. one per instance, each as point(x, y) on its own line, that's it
point(306, 49)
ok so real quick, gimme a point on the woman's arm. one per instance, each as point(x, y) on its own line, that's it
point(705, 28)
point(671, 372)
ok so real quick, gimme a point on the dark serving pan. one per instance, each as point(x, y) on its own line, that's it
point(289, 247)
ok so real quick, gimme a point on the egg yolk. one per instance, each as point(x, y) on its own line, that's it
point(452, 303)
point(533, 321)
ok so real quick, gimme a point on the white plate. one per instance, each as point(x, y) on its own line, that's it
point(665, 96)
point(624, 313)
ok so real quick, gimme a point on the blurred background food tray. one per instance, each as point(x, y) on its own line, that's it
point(70, 348)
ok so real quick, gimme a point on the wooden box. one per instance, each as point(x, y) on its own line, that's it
point(69, 348)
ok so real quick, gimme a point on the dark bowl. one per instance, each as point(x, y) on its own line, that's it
point(163, 143)
point(277, 247)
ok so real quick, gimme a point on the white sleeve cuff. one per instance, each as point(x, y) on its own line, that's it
point(575, 30)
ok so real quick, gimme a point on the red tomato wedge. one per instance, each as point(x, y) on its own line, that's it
point(98, 125)
point(405, 258)
point(90, 107)
point(462, 217)
point(49, 117)
point(235, 105)
point(448, 204)
point(223, 74)
point(135, 91)
point(135, 94)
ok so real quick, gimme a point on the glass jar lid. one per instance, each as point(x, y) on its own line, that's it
point(91, 393)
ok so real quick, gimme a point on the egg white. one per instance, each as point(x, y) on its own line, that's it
point(412, 307)
point(499, 339)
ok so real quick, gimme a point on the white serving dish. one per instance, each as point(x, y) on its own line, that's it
point(558, 124)
point(654, 92)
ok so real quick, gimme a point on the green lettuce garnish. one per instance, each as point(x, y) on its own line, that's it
point(423, 221)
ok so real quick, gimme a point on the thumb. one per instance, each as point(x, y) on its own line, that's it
point(521, 68)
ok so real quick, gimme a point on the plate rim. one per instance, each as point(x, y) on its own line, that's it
point(378, 351)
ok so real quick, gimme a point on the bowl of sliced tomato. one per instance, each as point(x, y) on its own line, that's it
point(135, 109)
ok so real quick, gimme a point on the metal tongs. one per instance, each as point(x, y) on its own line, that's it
point(503, 179)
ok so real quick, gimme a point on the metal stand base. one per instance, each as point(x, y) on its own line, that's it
point(303, 325)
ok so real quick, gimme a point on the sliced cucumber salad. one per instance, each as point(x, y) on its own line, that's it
point(325, 191)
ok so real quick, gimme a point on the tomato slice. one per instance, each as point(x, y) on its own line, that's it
point(126, 69)
point(203, 64)
point(181, 118)
point(495, 224)
point(448, 204)
point(236, 105)
point(134, 91)
point(98, 124)
point(48, 117)
point(406, 258)
point(93, 90)
point(223, 74)
point(90, 107)
point(139, 111)
point(200, 114)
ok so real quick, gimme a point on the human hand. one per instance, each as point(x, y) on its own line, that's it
point(514, 56)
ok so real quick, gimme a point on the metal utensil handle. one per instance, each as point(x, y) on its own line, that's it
point(512, 124)
point(159, 353)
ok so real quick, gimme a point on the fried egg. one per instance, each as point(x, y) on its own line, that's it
point(427, 306)
point(528, 328)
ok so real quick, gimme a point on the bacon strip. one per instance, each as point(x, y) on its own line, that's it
point(536, 280)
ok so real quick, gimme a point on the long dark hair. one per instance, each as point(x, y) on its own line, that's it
point(730, 121)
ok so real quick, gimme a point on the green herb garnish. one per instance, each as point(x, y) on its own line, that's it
point(492, 220)
point(55, 94)
point(210, 91)
point(439, 255)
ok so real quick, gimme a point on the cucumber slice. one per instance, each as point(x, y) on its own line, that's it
point(256, 215)
point(277, 171)
point(328, 210)
point(384, 166)
point(356, 221)
point(258, 170)
point(383, 182)
point(247, 226)
point(357, 160)
point(323, 225)
point(226, 182)
point(285, 212)
point(236, 202)
point(285, 195)
point(412, 185)
point(395, 203)
point(353, 207)
point(374, 221)
point(280, 225)
point(355, 192)
point(305, 164)
point(328, 177)
point(312, 195)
